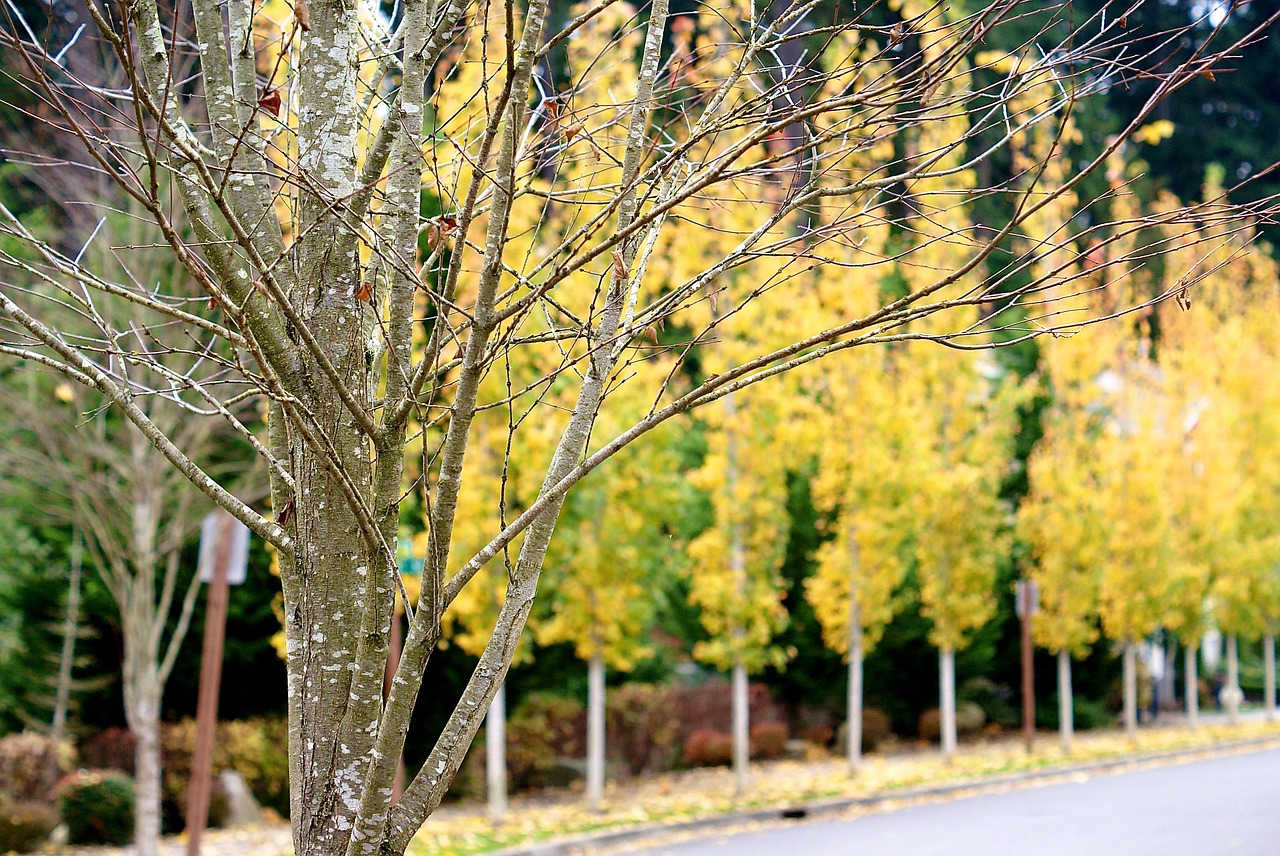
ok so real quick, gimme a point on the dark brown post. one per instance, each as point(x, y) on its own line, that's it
point(215, 626)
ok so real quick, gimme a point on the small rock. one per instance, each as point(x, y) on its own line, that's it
point(242, 808)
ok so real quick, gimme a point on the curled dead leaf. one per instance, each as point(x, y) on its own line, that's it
point(302, 15)
point(619, 266)
point(573, 130)
point(651, 334)
point(364, 292)
point(270, 101)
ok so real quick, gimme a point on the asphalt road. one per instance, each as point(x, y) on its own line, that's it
point(1204, 808)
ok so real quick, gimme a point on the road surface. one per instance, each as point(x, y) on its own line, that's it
point(1203, 808)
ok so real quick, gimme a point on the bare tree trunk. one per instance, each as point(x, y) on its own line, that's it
point(1269, 675)
point(595, 732)
point(495, 755)
point(1233, 680)
point(1192, 686)
point(854, 727)
point(1130, 689)
point(741, 729)
point(142, 711)
point(947, 687)
point(63, 695)
point(1066, 713)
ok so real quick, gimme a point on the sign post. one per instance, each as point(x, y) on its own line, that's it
point(224, 558)
point(1027, 604)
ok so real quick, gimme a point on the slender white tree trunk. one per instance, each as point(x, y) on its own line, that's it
point(741, 729)
point(495, 755)
point(595, 732)
point(1233, 680)
point(1192, 686)
point(1130, 689)
point(142, 711)
point(853, 731)
point(70, 623)
point(947, 687)
point(1269, 675)
point(1066, 713)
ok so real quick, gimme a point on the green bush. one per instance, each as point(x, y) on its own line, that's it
point(97, 807)
point(31, 765)
point(643, 727)
point(541, 729)
point(1087, 714)
point(24, 826)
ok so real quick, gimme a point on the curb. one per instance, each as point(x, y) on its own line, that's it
point(576, 844)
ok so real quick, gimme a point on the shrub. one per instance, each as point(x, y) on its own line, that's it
point(97, 807)
point(818, 734)
point(24, 826)
point(876, 728)
point(112, 749)
point(969, 718)
point(31, 765)
point(768, 740)
point(257, 749)
point(707, 748)
point(929, 726)
point(709, 706)
point(542, 728)
point(642, 727)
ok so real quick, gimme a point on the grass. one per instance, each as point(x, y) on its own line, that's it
point(695, 794)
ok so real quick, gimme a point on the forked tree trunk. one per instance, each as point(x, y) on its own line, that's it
point(1233, 680)
point(1192, 688)
point(595, 732)
point(947, 691)
point(495, 755)
point(1130, 690)
point(1066, 712)
point(741, 728)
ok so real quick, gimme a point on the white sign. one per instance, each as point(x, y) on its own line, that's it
point(224, 537)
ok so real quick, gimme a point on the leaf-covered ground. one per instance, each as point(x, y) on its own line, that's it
point(674, 797)
point(462, 829)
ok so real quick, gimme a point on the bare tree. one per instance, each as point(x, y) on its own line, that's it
point(290, 180)
point(85, 466)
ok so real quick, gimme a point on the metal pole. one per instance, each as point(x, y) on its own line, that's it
point(215, 626)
